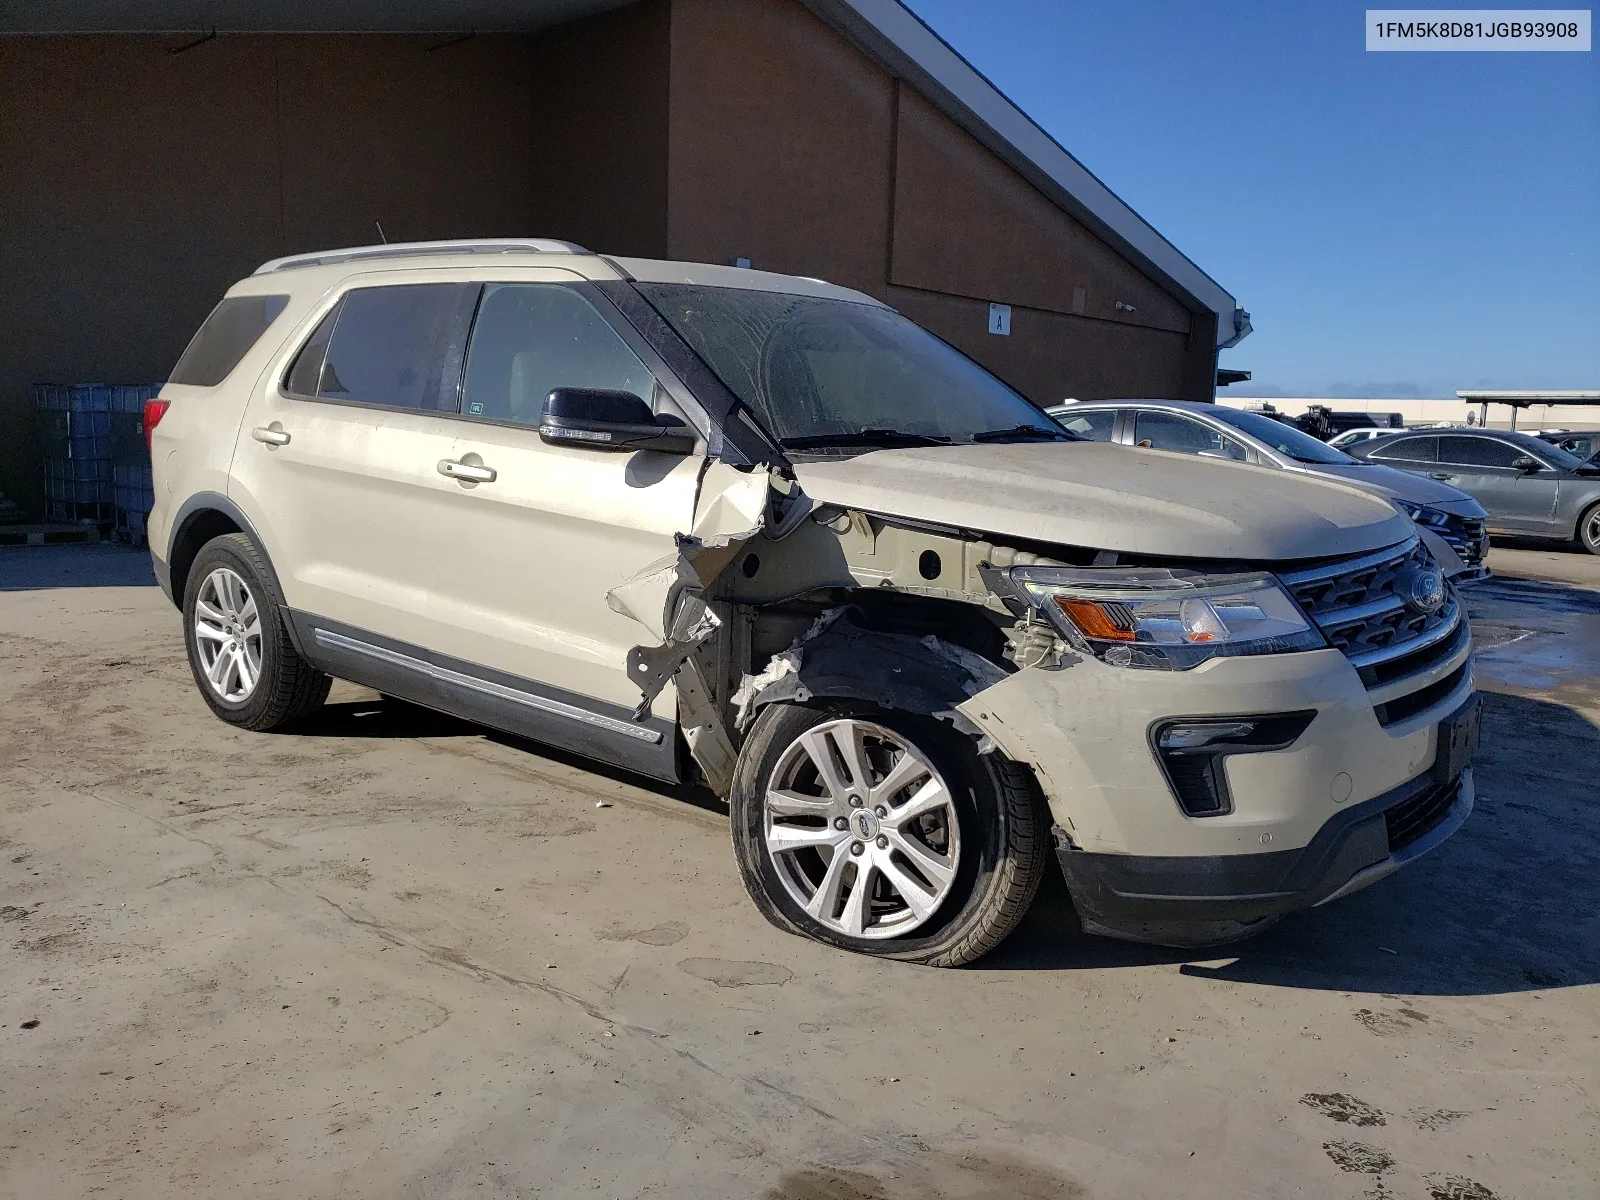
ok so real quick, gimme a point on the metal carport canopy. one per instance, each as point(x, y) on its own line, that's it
point(1521, 400)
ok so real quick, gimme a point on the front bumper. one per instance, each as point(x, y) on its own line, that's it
point(1209, 900)
point(1306, 823)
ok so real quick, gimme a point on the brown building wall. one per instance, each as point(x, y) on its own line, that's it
point(1051, 356)
point(779, 145)
point(790, 147)
point(967, 224)
point(600, 131)
point(136, 185)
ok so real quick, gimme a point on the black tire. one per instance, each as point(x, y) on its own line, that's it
point(1589, 529)
point(289, 689)
point(1002, 817)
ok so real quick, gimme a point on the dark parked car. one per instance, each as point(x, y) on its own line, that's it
point(1527, 485)
point(1585, 443)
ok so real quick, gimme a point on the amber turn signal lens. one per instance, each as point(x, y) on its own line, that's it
point(1094, 619)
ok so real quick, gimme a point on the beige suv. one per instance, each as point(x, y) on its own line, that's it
point(762, 532)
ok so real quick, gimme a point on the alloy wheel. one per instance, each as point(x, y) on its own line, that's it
point(862, 829)
point(227, 630)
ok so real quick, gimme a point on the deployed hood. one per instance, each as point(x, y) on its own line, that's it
point(1388, 482)
point(1109, 497)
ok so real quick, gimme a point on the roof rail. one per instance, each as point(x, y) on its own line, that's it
point(322, 258)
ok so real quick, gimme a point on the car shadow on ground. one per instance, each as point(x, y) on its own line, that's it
point(1512, 599)
point(388, 717)
point(35, 568)
point(1511, 541)
point(1510, 904)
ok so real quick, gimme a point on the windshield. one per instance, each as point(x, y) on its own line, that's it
point(1285, 439)
point(817, 371)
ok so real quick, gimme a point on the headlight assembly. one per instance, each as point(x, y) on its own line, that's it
point(1162, 619)
point(1433, 518)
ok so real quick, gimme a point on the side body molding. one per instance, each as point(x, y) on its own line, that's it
point(581, 724)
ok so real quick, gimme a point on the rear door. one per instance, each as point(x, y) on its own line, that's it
point(1480, 465)
point(1418, 455)
point(336, 463)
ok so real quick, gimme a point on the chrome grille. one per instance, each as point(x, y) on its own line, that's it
point(1357, 607)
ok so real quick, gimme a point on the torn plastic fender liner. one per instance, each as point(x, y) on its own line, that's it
point(667, 596)
point(651, 666)
point(926, 676)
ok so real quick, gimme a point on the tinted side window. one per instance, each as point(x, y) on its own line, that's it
point(1419, 450)
point(397, 346)
point(1168, 431)
point(304, 375)
point(1478, 452)
point(227, 335)
point(531, 338)
point(1097, 426)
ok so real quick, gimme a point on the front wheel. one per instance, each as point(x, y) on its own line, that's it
point(884, 833)
point(1589, 530)
point(243, 662)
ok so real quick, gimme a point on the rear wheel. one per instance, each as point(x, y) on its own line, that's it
point(1589, 529)
point(884, 833)
point(243, 662)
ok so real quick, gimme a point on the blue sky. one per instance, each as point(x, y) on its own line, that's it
point(1396, 224)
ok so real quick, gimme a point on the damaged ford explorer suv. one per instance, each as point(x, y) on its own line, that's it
point(762, 532)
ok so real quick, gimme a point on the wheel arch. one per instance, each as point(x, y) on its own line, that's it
point(203, 517)
point(842, 657)
point(1585, 514)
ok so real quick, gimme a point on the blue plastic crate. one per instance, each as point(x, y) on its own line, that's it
point(130, 397)
point(52, 397)
point(91, 397)
point(132, 488)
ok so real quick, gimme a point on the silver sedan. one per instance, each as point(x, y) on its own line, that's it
point(1527, 485)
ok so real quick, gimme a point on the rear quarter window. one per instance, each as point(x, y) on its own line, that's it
point(1096, 426)
point(1416, 449)
point(233, 327)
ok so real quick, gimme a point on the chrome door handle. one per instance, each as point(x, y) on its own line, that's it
point(468, 472)
point(271, 435)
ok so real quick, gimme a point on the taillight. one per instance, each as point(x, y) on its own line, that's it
point(154, 410)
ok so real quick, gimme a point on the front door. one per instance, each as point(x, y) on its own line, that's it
point(1516, 500)
point(1158, 430)
point(534, 551)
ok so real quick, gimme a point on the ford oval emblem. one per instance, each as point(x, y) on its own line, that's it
point(1423, 590)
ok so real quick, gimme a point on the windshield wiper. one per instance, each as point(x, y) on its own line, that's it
point(1025, 432)
point(864, 437)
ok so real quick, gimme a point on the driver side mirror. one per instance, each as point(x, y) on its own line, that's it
point(601, 419)
point(1525, 463)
